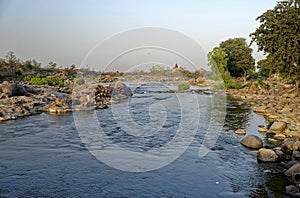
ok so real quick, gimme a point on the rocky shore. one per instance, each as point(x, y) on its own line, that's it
point(19, 100)
point(279, 103)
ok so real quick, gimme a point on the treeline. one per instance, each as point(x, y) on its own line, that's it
point(14, 69)
point(278, 36)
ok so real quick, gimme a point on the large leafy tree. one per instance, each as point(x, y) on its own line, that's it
point(240, 60)
point(217, 60)
point(278, 36)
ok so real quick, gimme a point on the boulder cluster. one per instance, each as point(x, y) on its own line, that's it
point(19, 100)
point(279, 103)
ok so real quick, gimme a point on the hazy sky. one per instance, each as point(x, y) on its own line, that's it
point(65, 31)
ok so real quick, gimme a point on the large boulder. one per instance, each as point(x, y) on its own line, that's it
point(8, 90)
point(60, 105)
point(252, 141)
point(267, 155)
point(278, 127)
point(119, 91)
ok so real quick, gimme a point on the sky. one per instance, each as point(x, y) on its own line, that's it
point(66, 32)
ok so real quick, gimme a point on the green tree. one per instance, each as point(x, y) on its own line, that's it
point(217, 60)
point(10, 58)
point(52, 65)
point(73, 66)
point(278, 36)
point(240, 61)
point(157, 69)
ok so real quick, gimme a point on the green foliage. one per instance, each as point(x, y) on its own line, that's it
point(52, 65)
point(262, 84)
point(218, 86)
point(218, 61)
point(240, 61)
point(40, 80)
point(233, 85)
point(278, 36)
point(19, 71)
point(183, 86)
point(157, 69)
point(11, 58)
point(79, 81)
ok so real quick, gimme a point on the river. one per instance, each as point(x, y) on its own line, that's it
point(50, 156)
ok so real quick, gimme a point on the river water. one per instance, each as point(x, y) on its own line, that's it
point(49, 156)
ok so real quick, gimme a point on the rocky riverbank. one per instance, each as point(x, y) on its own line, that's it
point(279, 103)
point(19, 100)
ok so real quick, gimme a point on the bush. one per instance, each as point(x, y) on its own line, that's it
point(233, 85)
point(39, 80)
point(262, 84)
point(218, 87)
point(79, 81)
point(183, 86)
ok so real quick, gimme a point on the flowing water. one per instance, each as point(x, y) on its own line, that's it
point(46, 156)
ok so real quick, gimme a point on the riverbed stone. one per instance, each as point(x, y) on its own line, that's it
point(261, 109)
point(240, 132)
point(262, 130)
point(267, 155)
point(252, 141)
point(279, 137)
point(294, 169)
point(296, 146)
point(278, 127)
point(295, 135)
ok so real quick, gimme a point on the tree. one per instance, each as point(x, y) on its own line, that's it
point(240, 61)
point(217, 60)
point(73, 66)
point(52, 65)
point(10, 58)
point(278, 36)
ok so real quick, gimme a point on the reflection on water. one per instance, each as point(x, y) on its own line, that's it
point(43, 156)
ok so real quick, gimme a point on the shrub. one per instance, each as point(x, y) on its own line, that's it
point(183, 86)
point(79, 81)
point(39, 80)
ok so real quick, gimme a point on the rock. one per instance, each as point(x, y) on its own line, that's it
point(295, 135)
point(261, 109)
point(272, 117)
point(296, 155)
point(292, 191)
point(286, 110)
point(289, 144)
point(290, 164)
point(240, 132)
point(279, 137)
point(5, 90)
point(267, 171)
point(253, 153)
point(278, 127)
point(252, 141)
point(280, 154)
point(60, 105)
point(262, 130)
point(266, 155)
point(294, 169)
point(121, 91)
point(19, 90)
point(296, 146)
